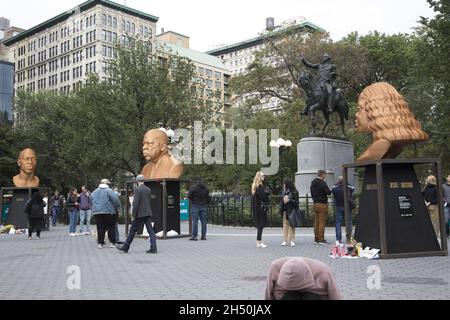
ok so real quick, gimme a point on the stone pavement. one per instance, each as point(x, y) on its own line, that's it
point(227, 266)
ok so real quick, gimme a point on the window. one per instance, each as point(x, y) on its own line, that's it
point(150, 32)
point(201, 71)
point(104, 35)
point(141, 31)
point(122, 25)
point(114, 23)
point(218, 75)
point(208, 73)
point(145, 32)
point(104, 19)
point(133, 28)
point(109, 21)
point(128, 26)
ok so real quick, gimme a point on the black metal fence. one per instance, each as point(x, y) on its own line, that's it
point(235, 210)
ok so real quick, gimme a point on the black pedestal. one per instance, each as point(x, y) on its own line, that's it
point(19, 197)
point(408, 224)
point(392, 213)
point(165, 203)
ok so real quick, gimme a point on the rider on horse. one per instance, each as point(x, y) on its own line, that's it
point(327, 76)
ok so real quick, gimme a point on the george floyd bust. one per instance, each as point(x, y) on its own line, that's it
point(384, 112)
point(161, 164)
point(27, 164)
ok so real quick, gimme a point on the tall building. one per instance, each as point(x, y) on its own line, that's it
point(6, 91)
point(212, 75)
point(59, 53)
point(237, 57)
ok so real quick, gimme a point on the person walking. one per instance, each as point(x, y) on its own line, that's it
point(319, 192)
point(35, 211)
point(199, 197)
point(105, 204)
point(431, 201)
point(338, 194)
point(446, 193)
point(56, 205)
point(260, 202)
point(289, 202)
point(142, 213)
point(73, 204)
point(85, 211)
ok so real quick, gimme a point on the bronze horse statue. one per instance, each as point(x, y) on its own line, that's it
point(317, 100)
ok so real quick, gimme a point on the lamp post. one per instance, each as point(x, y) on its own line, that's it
point(282, 146)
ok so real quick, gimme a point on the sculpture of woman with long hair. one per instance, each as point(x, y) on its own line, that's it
point(384, 113)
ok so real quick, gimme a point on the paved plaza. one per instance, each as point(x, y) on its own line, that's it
point(227, 266)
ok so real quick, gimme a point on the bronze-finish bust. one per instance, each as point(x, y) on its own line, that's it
point(27, 165)
point(161, 164)
point(384, 112)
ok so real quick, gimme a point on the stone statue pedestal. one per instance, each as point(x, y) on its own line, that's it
point(329, 154)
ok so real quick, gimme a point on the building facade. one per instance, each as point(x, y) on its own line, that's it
point(237, 57)
point(59, 54)
point(212, 75)
point(6, 91)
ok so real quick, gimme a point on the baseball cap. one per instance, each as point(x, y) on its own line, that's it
point(105, 181)
point(140, 178)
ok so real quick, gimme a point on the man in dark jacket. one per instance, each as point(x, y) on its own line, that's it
point(199, 197)
point(338, 193)
point(142, 214)
point(319, 192)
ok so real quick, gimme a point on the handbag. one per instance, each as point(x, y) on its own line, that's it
point(296, 218)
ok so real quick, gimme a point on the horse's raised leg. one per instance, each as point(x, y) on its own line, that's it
point(326, 115)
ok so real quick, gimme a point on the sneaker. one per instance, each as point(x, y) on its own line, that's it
point(261, 245)
point(152, 251)
point(29, 238)
point(100, 246)
point(292, 244)
point(193, 239)
point(111, 245)
point(321, 242)
point(121, 248)
point(284, 243)
point(316, 242)
point(203, 238)
point(38, 238)
point(87, 233)
point(76, 234)
point(72, 234)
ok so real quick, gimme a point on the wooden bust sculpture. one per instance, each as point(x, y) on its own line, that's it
point(384, 113)
point(161, 164)
point(27, 165)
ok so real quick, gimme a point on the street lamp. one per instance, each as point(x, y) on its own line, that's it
point(282, 146)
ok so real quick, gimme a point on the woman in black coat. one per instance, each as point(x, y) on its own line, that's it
point(260, 201)
point(289, 202)
point(35, 212)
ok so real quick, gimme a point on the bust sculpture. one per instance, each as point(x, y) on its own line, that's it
point(161, 164)
point(384, 113)
point(27, 165)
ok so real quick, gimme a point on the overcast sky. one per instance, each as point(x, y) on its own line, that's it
point(210, 22)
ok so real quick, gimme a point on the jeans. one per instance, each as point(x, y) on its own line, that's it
point(117, 232)
point(135, 225)
point(85, 214)
point(340, 216)
point(447, 218)
point(73, 217)
point(55, 213)
point(198, 211)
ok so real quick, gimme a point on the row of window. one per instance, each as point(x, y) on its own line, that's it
point(207, 72)
point(77, 42)
point(77, 72)
point(108, 52)
point(126, 26)
point(53, 52)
